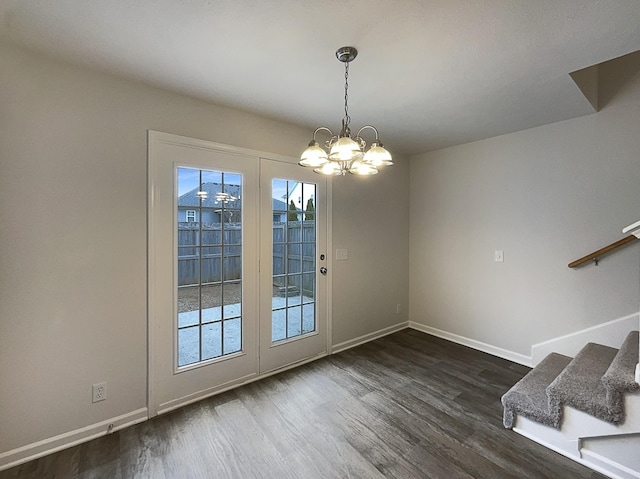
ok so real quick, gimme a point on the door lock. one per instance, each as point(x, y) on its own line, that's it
point(323, 270)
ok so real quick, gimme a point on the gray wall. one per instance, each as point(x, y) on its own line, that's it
point(73, 256)
point(546, 196)
point(370, 221)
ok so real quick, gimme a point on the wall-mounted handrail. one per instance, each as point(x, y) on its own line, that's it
point(602, 251)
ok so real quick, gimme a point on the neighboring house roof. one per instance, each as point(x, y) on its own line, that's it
point(279, 205)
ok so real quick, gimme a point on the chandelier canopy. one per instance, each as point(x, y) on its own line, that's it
point(346, 153)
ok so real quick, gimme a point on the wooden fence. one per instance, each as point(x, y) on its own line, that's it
point(218, 250)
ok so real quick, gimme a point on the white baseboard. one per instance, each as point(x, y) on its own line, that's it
point(57, 443)
point(352, 343)
point(472, 343)
point(612, 334)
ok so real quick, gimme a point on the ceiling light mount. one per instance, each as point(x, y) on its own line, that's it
point(345, 153)
point(346, 54)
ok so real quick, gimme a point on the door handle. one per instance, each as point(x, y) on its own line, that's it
point(323, 270)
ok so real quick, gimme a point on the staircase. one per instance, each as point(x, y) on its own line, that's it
point(586, 408)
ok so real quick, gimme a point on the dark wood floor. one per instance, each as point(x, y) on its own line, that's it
point(406, 406)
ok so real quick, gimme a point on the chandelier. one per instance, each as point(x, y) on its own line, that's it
point(346, 153)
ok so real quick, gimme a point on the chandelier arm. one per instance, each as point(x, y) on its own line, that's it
point(320, 129)
point(369, 126)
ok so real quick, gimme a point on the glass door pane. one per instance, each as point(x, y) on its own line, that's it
point(209, 256)
point(293, 311)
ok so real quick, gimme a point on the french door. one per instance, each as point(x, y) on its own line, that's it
point(293, 287)
point(236, 245)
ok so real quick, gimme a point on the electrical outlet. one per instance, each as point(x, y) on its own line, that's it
point(99, 392)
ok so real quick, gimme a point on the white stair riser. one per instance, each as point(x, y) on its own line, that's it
point(578, 426)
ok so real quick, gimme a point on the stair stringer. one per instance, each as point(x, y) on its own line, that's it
point(577, 426)
point(624, 447)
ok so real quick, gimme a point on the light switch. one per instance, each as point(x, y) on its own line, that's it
point(341, 255)
point(499, 256)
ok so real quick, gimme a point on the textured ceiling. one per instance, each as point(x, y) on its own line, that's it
point(429, 74)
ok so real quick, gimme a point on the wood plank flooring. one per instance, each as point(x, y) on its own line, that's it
point(405, 406)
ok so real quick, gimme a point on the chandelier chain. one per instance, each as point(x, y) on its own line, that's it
point(347, 118)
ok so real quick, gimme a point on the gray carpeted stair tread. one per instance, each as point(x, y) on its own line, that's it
point(580, 384)
point(528, 397)
point(621, 374)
